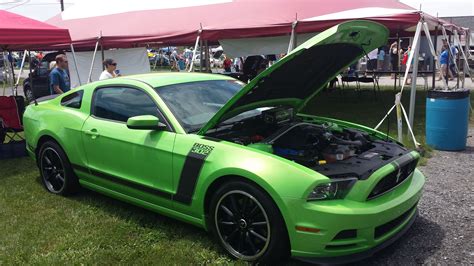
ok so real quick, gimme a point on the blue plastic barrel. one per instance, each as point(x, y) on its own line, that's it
point(447, 119)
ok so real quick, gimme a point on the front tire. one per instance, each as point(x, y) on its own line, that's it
point(56, 172)
point(248, 224)
point(28, 94)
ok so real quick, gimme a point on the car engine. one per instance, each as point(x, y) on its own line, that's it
point(327, 148)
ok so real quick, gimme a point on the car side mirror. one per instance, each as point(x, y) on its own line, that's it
point(147, 122)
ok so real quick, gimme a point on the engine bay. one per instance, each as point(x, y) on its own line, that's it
point(327, 148)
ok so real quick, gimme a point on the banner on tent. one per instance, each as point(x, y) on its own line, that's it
point(261, 46)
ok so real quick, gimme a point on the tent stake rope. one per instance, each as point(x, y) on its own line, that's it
point(398, 105)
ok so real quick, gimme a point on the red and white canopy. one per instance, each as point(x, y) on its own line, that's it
point(18, 33)
point(177, 22)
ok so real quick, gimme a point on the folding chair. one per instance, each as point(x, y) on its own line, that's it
point(373, 80)
point(10, 123)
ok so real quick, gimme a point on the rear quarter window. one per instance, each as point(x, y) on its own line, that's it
point(73, 100)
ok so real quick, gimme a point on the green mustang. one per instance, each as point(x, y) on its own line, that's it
point(239, 160)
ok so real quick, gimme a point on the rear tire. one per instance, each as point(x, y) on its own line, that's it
point(56, 172)
point(248, 224)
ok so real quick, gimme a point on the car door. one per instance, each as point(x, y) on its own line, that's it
point(128, 160)
point(41, 80)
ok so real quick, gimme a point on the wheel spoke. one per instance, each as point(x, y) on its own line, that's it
point(226, 223)
point(257, 235)
point(233, 203)
point(59, 177)
point(227, 211)
point(259, 223)
point(254, 209)
point(240, 242)
point(47, 160)
point(245, 202)
point(231, 235)
point(251, 244)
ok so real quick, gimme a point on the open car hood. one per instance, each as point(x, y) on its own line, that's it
point(300, 75)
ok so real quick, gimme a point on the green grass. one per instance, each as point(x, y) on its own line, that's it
point(40, 228)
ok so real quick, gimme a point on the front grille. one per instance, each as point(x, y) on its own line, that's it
point(387, 227)
point(394, 179)
point(340, 247)
point(352, 233)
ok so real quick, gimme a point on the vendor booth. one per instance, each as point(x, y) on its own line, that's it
point(18, 33)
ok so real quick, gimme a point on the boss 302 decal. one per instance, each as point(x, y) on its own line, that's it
point(191, 169)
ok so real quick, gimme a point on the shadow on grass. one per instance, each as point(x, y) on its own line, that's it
point(171, 228)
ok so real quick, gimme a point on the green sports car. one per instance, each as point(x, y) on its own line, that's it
point(239, 160)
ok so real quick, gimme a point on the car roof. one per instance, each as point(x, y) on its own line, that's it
point(163, 79)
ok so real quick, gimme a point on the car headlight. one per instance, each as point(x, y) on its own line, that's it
point(335, 189)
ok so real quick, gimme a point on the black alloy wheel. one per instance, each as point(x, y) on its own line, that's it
point(56, 172)
point(248, 224)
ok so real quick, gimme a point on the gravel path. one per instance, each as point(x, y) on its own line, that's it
point(443, 232)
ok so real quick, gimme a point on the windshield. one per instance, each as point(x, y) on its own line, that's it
point(195, 103)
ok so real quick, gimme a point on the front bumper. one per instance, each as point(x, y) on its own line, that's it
point(350, 230)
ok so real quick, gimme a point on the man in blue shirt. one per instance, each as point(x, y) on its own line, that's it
point(59, 78)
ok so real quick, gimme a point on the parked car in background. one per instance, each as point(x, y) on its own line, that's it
point(36, 85)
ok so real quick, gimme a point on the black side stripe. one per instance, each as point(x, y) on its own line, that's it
point(121, 181)
point(189, 175)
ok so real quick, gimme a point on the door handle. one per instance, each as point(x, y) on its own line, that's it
point(93, 133)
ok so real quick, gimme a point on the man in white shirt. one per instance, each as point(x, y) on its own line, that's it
point(109, 72)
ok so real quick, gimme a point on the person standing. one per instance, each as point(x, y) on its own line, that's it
point(227, 64)
point(59, 78)
point(443, 61)
point(110, 67)
point(380, 58)
point(395, 58)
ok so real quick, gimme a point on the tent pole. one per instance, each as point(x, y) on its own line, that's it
point(93, 60)
point(434, 63)
point(292, 43)
point(31, 80)
point(411, 112)
point(398, 55)
point(102, 50)
point(201, 59)
point(433, 51)
point(208, 57)
point(456, 57)
point(450, 55)
point(194, 51)
point(75, 63)
point(13, 71)
point(19, 74)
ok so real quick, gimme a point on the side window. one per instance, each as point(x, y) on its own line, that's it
point(121, 103)
point(43, 68)
point(73, 100)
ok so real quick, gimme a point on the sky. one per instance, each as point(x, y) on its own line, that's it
point(45, 9)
